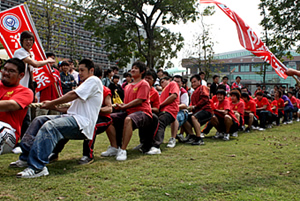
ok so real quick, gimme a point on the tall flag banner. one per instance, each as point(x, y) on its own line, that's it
point(250, 41)
point(13, 22)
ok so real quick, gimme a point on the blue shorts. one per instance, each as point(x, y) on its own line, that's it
point(182, 117)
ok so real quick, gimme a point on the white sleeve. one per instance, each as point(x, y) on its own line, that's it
point(184, 99)
point(21, 54)
point(89, 87)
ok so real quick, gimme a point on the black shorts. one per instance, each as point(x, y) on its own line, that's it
point(102, 124)
point(139, 119)
point(246, 119)
point(234, 127)
point(202, 116)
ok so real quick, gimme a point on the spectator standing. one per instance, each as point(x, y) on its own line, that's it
point(67, 80)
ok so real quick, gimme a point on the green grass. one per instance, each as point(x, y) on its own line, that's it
point(255, 166)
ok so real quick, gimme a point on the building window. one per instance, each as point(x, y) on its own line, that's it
point(245, 68)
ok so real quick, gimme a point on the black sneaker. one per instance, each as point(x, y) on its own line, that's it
point(191, 139)
point(247, 130)
point(85, 160)
point(180, 137)
point(198, 141)
point(53, 157)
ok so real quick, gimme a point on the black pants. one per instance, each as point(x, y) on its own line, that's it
point(264, 117)
point(164, 119)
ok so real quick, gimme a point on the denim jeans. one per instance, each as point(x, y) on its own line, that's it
point(288, 113)
point(42, 136)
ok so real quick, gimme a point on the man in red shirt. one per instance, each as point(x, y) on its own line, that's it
point(201, 109)
point(169, 101)
point(263, 110)
point(293, 99)
point(13, 101)
point(274, 108)
point(138, 112)
point(250, 116)
point(238, 107)
point(224, 119)
point(280, 105)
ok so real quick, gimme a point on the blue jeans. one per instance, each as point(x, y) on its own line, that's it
point(42, 136)
point(288, 113)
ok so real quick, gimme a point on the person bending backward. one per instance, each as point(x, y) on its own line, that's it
point(224, 119)
point(137, 114)
point(169, 107)
point(201, 111)
point(103, 121)
point(250, 116)
point(45, 131)
point(238, 108)
point(13, 101)
point(182, 115)
point(263, 110)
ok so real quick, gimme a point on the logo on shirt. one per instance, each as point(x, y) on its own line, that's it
point(11, 22)
point(8, 94)
point(135, 89)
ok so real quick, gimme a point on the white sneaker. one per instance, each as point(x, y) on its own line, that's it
point(274, 123)
point(202, 135)
point(171, 143)
point(154, 151)
point(138, 147)
point(261, 129)
point(17, 150)
point(269, 126)
point(121, 155)
point(226, 137)
point(285, 123)
point(290, 122)
point(111, 151)
point(235, 134)
point(298, 120)
point(30, 173)
point(218, 135)
point(19, 164)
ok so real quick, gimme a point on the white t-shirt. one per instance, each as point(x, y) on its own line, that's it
point(75, 75)
point(184, 98)
point(85, 109)
point(22, 54)
point(204, 83)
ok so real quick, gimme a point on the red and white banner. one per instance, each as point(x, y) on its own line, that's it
point(12, 23)
point(250, 41)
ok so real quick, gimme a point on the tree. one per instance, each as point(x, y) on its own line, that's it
point(130, 28)
point(281, 19)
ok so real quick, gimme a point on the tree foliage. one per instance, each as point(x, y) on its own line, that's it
point(281, 21)
point(130, 28)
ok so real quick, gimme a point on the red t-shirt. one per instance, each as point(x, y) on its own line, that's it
point(293, 100)
point(298, 103)
point(274, 103)
point(173, 108)
point(106, 92)
point(251, 105)
point(280, 103)
point(239, 107)
point(51, 92)
point(140, 90)
point(225, 105)
point(200, 99)
point(262, 102)
point(23, 96)
point(154, 98)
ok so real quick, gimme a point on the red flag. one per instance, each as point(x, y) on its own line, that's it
point(250, 41)
point(12, 23)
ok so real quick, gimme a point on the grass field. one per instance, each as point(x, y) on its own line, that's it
point(256, 166)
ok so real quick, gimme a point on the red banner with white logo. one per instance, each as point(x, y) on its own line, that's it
point(12, 23)
point(250, 41)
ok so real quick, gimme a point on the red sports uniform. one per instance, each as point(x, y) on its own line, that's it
point(225, 105)
point(173, 108)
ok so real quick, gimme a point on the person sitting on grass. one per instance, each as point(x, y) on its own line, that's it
point(46, 131)
point(14, 99)
point(137, 114)
point(280, 105)
point(169, 107)
point(288, 110)
point(238, 107)
point(293, 100)
point(201, 111)
point(250, 117)
point(274, 108)
point(263, 110)
point(224, 119)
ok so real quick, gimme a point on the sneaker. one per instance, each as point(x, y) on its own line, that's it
point(154, 151)
point(171, 143)
point(191, 139)
point(53, 157)
point(202, 135)
point(180, 137)
point(138, 147)
point(269, 126)
point(247, 130)
point(285, 123)
point(19, 163)
point(235, 134)
point(111, 151)
point(261, 129)
point(31, 173)
point(290, 122)
point(274, 123)
point(226, 137)
point(121, 155)
point(198, 141)
point(187, 138)
point(298, 120)
point(218, 135)
point(254, 128)
point(85, 160)
point(17, 150)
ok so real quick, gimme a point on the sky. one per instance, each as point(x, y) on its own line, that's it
point(223, 29)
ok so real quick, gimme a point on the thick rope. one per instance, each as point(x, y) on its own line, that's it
point(35, 105)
